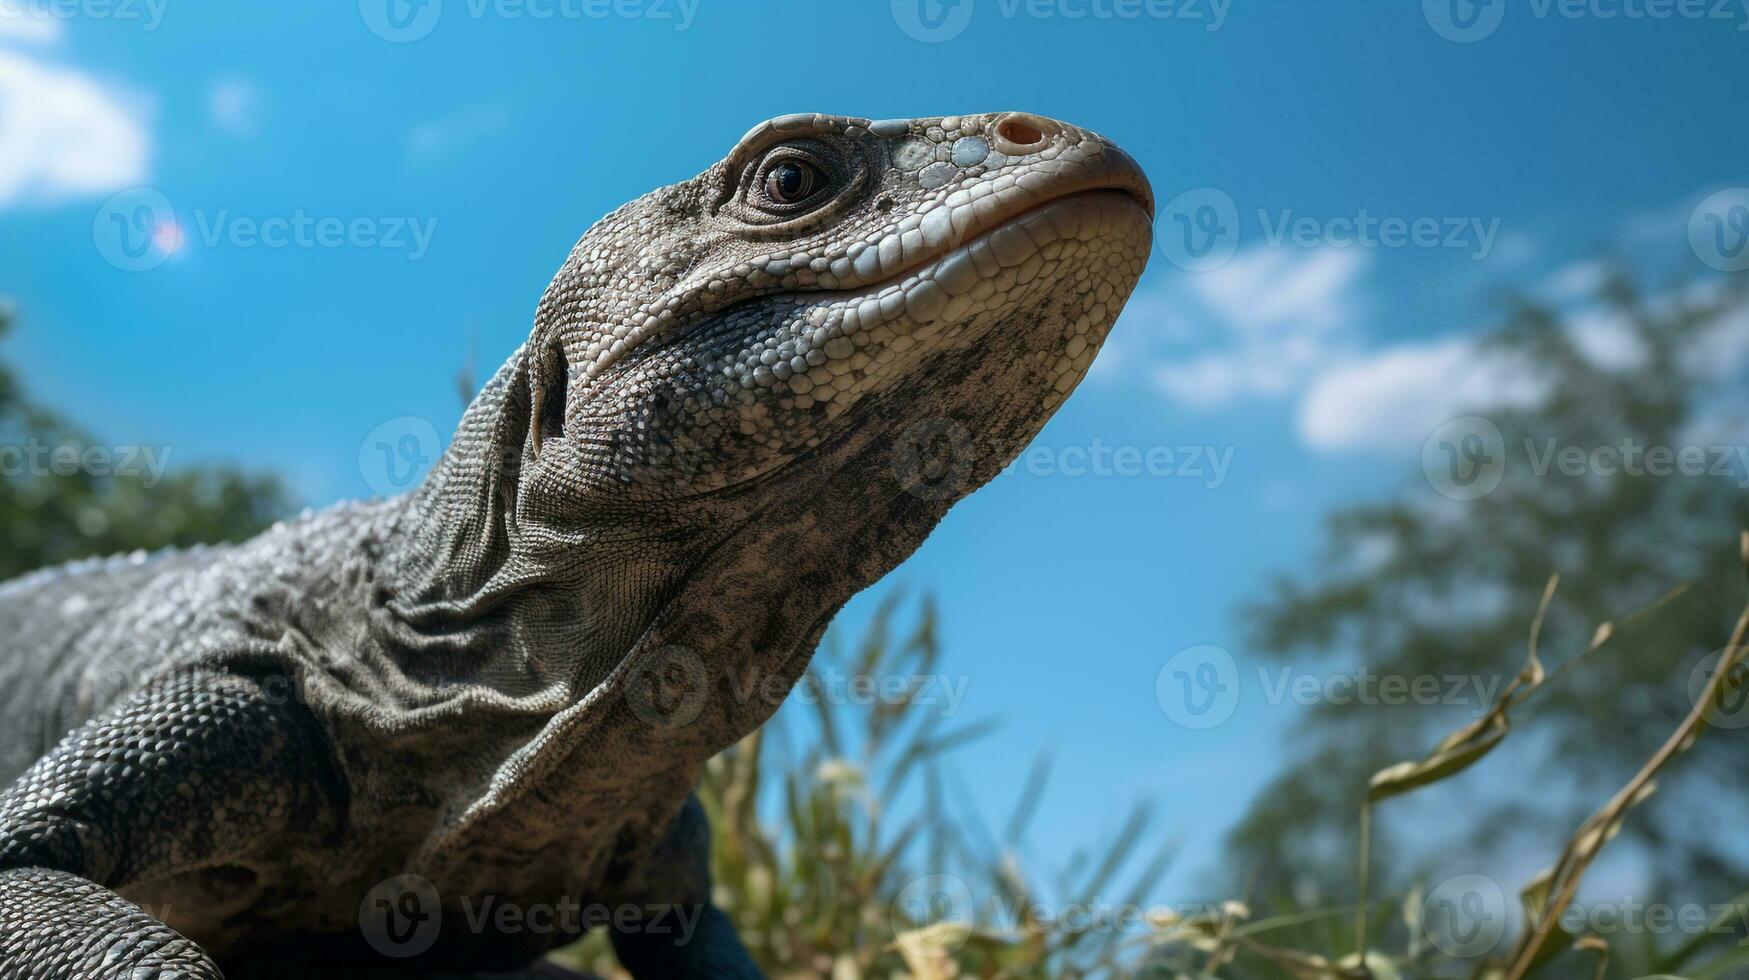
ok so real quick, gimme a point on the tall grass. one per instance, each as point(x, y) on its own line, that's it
point(842, 850)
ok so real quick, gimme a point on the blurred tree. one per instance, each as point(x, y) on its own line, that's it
point(1425, 584)
point(50, 515)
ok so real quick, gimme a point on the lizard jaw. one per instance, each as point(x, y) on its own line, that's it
point(1082, 252)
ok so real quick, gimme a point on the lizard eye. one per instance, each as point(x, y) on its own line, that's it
point(792, 181)
point(795, 185)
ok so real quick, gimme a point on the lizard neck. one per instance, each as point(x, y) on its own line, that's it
point(630, 642)
point(469, 579)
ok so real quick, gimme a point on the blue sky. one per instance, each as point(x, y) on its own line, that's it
point(471, 153)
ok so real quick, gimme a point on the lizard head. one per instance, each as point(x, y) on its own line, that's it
point(751, 394)
point(915, 295)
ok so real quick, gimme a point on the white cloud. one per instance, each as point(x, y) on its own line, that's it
point(1275, 290)
point(1394, 398)
point(1575, 281)
point(1606, 338)
point(1282, 316)
point(63, 133)
point(235, 104)
point(1719, 354)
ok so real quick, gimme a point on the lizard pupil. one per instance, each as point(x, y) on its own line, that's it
point(790, 182)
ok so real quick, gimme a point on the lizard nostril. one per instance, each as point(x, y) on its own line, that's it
point(1022, 132)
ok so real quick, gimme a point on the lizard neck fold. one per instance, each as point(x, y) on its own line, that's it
point(450, 560)
point(482, 581)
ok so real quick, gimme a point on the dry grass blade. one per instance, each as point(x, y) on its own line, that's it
point(1459, 750)
point(1027, 807)
point(1469, 744)
point(1600, 946)
point(1559, 884)
point(1300, 966)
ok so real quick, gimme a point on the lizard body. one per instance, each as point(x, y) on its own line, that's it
point(746, 397)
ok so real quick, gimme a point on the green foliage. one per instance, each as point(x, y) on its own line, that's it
point(50, 514)
point(1450, 583)
point(822, 879)
point(1550, 943)
point(847, 859)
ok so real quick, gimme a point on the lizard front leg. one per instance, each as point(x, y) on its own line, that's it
point(198, 770)
point(681, 935)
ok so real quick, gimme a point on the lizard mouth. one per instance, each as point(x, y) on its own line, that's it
point(952, 231)
point(1012, 238)
point(939, 285)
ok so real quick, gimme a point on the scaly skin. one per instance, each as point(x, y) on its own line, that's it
point(747, 396)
